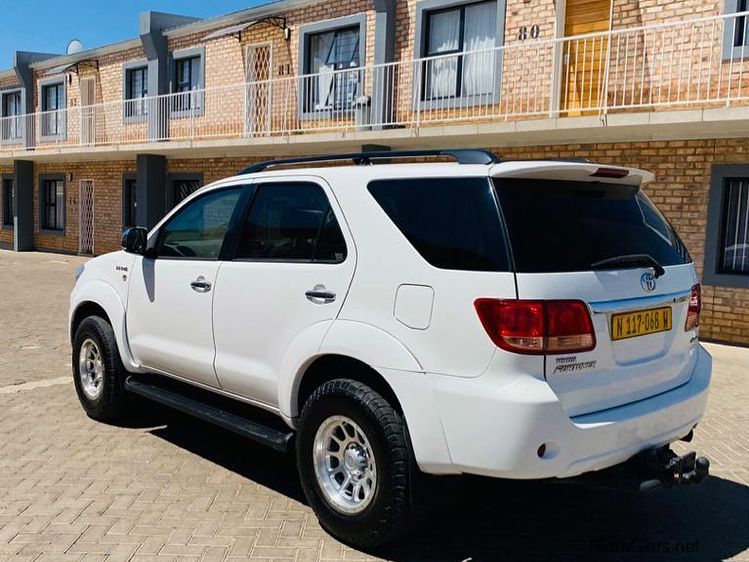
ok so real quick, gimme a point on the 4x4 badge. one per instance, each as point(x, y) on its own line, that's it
point(648, 282)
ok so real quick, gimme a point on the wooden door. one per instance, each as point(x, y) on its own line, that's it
point(584, 59)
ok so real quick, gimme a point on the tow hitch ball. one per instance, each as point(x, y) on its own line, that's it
point(665, 468)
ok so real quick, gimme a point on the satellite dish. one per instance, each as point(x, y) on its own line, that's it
point(75, 46)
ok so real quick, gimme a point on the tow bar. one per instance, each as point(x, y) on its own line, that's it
point(654, 468)
point(661, 467)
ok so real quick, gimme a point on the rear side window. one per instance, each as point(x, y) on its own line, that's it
point(452, 222)
point(291, 222)
point(557, 226)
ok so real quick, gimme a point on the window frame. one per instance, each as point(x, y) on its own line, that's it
point(230, 241)
point(128, 115)
point(424, 9)
point(305, 34)
point(711, 272)
point(8, 205)
point(61, 116)
point(199, 96)
point(731, 52)
point(129, 181)
point(22, 111)
point(43, 179)
point(332, 204)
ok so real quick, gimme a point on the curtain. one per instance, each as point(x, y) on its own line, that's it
point(330, 52)
point(479, 68)
point(444, 37)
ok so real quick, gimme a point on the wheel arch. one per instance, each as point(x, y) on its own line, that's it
point(100, 299)
point(332, 366)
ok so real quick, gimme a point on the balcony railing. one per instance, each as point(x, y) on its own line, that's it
point(697, 63)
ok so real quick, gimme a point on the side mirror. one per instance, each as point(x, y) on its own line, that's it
point(135, 240)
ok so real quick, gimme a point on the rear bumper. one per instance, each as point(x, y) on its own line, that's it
point(494, 426)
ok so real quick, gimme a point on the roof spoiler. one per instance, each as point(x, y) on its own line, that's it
point(584, 171)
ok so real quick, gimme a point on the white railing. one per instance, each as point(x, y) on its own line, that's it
point(692, 63)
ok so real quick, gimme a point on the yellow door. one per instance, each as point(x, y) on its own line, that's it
point(584, 59)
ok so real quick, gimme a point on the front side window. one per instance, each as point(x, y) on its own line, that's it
point(460, 59)
point(187, 83)
point(292, 222)
point(330, 57)
point(53, 204)
point(198, 230)
point(129, 203)
point(734, 243)
point(11, 116)
point(452, 222)
point(136, 92)
point(9, 201)
point(53, 104)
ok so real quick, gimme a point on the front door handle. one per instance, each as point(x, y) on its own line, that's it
point(320, 295)
point(200, 285)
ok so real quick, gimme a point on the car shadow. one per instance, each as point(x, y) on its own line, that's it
point(481, 519)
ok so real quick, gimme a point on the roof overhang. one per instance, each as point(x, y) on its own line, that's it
point(73, 66)
point(236, 30)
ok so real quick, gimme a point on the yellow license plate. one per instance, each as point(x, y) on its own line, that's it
point(640, 323)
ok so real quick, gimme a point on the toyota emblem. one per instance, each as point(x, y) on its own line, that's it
point(648, 282)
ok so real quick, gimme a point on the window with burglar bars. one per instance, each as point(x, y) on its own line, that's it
point(11, 113)
point(136, 92)
point(187, 84)
point(735, 238)
point(329, 56)
point(182, 189)
point(53, 204)
point(461, 60)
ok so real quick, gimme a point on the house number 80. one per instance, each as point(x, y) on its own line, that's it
point(523, 32)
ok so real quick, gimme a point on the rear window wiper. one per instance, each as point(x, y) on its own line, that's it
point(633, 260)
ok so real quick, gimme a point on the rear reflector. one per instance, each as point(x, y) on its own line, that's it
point(610, 173)
point(537, 327)
point(695, 307)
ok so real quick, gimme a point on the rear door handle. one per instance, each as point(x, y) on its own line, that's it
point(200, 285)
point(320, 295)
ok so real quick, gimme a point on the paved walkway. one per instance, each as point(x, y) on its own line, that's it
point(172, 488)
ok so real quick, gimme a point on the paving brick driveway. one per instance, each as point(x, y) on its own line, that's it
point(171, 488)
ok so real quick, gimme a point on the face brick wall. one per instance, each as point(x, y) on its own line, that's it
point(107, 178)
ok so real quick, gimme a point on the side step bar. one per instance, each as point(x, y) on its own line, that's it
point(271, 437)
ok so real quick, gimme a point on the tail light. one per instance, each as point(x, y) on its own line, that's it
point(537, 327)
point(695, 307)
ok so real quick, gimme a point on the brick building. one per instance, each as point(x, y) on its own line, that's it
point(97, 140)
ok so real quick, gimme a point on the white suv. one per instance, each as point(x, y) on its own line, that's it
point(521, 320)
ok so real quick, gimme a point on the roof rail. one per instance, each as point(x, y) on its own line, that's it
point(463, 156)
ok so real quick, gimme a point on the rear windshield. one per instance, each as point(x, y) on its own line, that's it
point(557, 226)
point(452, 222)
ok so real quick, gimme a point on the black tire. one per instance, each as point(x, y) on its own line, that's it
point(111, 401)
point(389, 514)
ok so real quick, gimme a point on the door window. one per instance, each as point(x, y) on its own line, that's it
point(198, 230)
point(292, 222)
